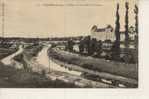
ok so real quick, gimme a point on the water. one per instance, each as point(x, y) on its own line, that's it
point(44, 60)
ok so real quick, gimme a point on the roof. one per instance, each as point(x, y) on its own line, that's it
point(96, 29)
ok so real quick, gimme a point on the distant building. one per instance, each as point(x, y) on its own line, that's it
point(132, 33)
point(102, 33)
point(107, 33)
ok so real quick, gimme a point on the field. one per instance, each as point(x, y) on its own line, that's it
point(26, 77)
point(13, 78)
point(5, 51)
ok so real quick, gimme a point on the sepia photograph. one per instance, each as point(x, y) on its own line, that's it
point(69, 44)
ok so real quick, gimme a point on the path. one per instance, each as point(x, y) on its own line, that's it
point(43, 59)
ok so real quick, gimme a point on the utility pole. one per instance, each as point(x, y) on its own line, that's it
point(3, 17)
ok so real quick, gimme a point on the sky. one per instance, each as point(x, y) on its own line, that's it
point(43, 18)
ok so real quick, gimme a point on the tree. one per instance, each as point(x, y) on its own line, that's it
point(87, 43)
point(136, 18)
point(136, 11)
point(117, 26)
point(81, 46)
point(116, 45)
point(70, 45)
point(136, 25)
point(126, 25)
point(93, 46)
point(99, 48)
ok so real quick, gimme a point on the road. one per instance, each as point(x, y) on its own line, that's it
point(9, 61)
point(43, 59)
point(52, 70)
point(56, 71)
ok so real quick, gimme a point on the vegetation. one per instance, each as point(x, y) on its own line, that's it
point(91, 47)
point(70, 45)
point(13, 78)
point(116, 45)
point(33, 50)
point(126, 26)
point(136, 11)
point(6, 50)
point(100, 65)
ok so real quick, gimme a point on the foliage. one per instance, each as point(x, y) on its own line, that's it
point(116, 45)
point(126, 25)
point(136, 11)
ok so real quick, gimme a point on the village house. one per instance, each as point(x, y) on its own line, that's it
point(107, 33)
point(102, 33)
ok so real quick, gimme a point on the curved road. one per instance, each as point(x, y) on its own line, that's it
point(56, 71)
point(43, 59)
point(62, 73)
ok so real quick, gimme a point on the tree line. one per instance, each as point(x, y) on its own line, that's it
point(92, 45)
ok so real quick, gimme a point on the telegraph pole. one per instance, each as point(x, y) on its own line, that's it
point(3, 17)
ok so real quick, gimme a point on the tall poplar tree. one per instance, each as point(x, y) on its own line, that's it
point(116, 45)
point(136, 18)
point(136, 11)
point(117, 27)
point(127, 25)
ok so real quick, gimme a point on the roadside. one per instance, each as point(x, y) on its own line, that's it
point(12, 77)
point(104, 69)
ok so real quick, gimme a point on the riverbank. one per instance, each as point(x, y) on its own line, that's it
point(124, 73)
point(101, 65)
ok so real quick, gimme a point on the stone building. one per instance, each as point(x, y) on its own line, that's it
point(102, 33)
point(107, 33)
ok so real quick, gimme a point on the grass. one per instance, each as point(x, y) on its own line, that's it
point(13, 78)
point(116, 68)
point(4, 52)
point(33, 50)
point(6, 49)
point(30, 51)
